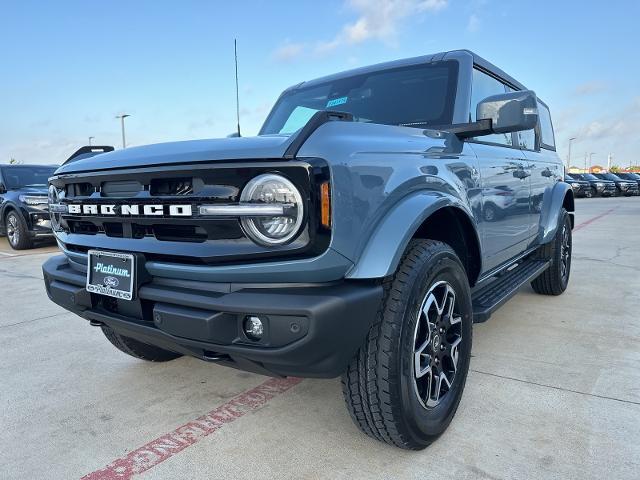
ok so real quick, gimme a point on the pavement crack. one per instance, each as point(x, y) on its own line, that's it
point(33, 320)
point(7, 273)
point(604, 397)
point(607, 261)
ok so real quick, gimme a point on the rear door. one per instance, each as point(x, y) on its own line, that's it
point(504, 221)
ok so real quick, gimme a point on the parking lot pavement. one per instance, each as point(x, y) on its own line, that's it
point(553, 391)
point(45, 246)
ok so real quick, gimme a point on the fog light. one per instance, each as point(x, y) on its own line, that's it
point(253, 328)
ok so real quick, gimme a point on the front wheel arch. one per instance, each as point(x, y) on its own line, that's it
point(409, 219)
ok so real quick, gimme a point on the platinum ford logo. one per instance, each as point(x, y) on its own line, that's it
point(128, 210)
point(112, 282)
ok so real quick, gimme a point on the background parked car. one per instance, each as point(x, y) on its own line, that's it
point(581, 188)
point(599, 187)
point(24, 209)
point(631, 176)
point(623, 186)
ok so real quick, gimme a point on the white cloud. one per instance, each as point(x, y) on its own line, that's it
point(590, 88)
point(376, 20)
point(473, 25)
point(379, 20)
point(288, 52)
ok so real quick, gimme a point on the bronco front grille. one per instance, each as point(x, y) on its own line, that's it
point(210, 239)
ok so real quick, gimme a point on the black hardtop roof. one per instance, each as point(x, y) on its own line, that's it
point(477, 59)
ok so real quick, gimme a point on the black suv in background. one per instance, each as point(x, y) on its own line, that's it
point(581, 188)
point(24, 209)
point(599, 187)
point(623, 186)
point(634, 177)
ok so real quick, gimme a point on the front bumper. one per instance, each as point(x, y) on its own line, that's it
point(310, 330)
point(606, 190)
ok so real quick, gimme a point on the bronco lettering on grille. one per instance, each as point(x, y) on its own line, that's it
point(152, 210)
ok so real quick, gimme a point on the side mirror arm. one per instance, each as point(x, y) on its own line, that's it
point(468, 130)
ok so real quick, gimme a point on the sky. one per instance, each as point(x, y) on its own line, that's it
point(67, 68)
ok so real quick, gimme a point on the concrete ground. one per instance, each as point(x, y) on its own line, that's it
point(553, 392)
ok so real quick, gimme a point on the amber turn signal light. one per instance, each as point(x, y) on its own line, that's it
point(325, 205)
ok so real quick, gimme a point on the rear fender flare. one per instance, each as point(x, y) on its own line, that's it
point(552, 204)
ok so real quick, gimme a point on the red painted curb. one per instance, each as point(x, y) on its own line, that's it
point(591, 220)
point(166, 446)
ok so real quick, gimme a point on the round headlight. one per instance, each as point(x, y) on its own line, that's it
point(271, 189)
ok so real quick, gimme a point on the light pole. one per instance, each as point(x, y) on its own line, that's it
point(122, 117)
point(569, 154)
point(91, 138)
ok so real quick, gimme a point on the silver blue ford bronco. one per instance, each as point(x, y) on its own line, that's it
point(378, 214)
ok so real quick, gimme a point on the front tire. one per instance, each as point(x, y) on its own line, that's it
point(554, 280)
point(137, 349)
point(404, 385)
point(17, 232)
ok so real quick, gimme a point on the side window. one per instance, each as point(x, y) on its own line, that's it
point(484, 86)
point(526, 138)
point(548, 140)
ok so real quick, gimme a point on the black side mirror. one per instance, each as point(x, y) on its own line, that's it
point(503, 113)
point(3, 189)
point(510, 112)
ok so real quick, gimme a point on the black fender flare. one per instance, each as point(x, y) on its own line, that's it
point(552, 203)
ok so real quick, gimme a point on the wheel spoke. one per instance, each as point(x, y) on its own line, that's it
point(430, 300)
point(455, 353)
point(419, 355)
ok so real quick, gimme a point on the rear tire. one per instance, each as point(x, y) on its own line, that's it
point(17, 231)
point(138, 349)
point(554, 280)
point(423, 329)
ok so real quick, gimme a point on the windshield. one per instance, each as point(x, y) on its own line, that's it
point(589, 176)
point(25, 176)
point(610, 176)
point(419, 96)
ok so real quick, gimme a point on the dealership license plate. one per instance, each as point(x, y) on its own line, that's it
point(111, 274)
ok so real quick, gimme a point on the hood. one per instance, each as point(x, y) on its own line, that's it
point(32, 190)
point(192, 151)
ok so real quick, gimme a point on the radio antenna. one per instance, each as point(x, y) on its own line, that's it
point(235, 51)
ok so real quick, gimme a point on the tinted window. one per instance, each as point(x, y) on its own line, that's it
point(25, 176)
point(417, 96)
point(526, 138)
point(484, 86)
point(546, 128)
point(610, 176)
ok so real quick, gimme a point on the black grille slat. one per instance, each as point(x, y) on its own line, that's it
point(124, 189)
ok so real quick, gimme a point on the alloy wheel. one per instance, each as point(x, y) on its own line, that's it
point(13, 232)
point(565, 252)
point(437, 339)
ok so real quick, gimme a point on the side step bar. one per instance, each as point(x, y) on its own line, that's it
point(488, 299)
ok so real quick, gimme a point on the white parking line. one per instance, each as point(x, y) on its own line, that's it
point(8, 254)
